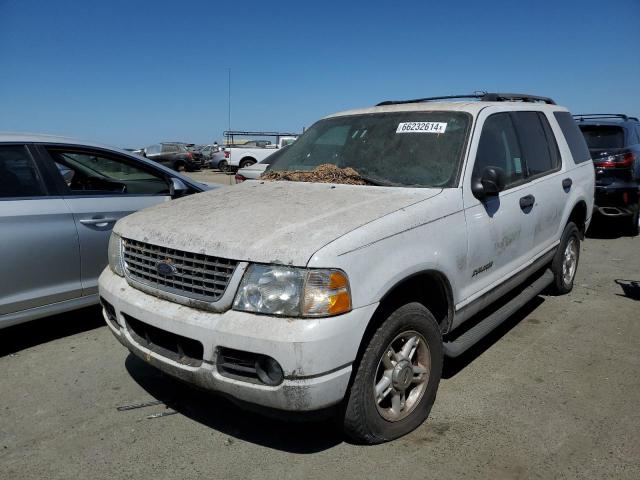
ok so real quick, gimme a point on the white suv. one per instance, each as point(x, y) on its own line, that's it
point(303, 295)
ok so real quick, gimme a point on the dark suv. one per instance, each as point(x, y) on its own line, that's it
point(174, 155)
point(614, 143)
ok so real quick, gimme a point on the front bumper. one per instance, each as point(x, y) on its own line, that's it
point(316, 355)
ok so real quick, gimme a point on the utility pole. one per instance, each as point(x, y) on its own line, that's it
point(229, 110)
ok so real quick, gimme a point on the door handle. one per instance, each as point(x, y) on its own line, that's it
point(98, 221)
point(566, 183)
point(527, 202)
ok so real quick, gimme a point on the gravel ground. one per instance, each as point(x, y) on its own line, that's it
point(554, 393)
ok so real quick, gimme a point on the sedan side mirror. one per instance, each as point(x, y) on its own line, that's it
point(490, 184)
point(177, 188)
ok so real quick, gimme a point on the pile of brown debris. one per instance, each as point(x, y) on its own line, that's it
point(325, 173)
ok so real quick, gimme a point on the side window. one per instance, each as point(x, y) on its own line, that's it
point(498, 147)
point(538, 144)
point(89, 173)
point(573, 136)
point(153, 149)
point(169, 149)
point(19, 176)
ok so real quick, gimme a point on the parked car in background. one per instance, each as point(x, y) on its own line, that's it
point(174, 155)
point(421, 226)
point(59, 200)
point(208, 152)
point(252, 172)
point(614, 144)
point(253, 151)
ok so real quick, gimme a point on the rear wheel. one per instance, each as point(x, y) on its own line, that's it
point(565, 263)
point(223, 166)
point(634, 225)
point(180, 167)
point(397, 379)
point(247, 162)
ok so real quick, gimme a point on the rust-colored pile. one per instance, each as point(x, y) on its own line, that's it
point(325, 173)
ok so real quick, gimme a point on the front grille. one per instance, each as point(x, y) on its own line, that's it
point(198, 276)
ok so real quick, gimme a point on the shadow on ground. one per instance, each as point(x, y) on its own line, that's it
point(44, 330)
point(605, 228)
point(453, 366)
point(304, 435)
point(631, 288)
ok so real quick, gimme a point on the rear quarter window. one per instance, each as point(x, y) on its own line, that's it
point(573, 136)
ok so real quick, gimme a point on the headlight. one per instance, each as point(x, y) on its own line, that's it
point(293, 292)
point(115, 254)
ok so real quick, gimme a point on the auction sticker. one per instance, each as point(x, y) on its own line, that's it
point(421, 127)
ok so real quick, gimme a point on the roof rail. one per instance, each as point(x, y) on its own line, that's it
point(480, 96)
point(597, 116)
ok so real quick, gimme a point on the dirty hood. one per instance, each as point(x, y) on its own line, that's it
point(283, 222)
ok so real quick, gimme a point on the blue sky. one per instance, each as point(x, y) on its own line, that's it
point(131, 73)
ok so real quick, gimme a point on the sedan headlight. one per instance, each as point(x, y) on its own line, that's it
point(293, 292)
point(115, 254)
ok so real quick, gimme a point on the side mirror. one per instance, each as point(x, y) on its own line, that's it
point(490, 184)
point(177, 188)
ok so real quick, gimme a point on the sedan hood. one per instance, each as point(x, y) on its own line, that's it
point(268, 222)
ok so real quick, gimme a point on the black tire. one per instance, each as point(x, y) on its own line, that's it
point(633, 225)
point(223, 166)
point(561, 284)
point(247, 162)
point(362, 421)
point(180, 167)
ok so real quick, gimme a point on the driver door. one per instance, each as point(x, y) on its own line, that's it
point(100, 187)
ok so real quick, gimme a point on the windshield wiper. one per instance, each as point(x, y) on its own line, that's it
point(378, 182)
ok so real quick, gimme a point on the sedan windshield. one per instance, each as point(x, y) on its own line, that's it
point(422, 149)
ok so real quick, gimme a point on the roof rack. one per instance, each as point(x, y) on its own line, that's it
point(480, 96)
point(601, 116)
point(244, 133)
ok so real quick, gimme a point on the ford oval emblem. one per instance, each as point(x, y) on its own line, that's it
point(165, 269)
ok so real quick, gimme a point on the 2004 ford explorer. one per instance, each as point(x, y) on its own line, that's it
point(303, 295)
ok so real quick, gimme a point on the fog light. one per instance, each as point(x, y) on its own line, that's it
point(269, 371)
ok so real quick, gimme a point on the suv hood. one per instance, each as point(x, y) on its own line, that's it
point(268, 222)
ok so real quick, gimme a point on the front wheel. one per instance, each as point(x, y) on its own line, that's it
point(223, 166)
point(565, 263)
point(396, 381)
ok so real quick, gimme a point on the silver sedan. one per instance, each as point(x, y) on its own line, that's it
point(59, 200)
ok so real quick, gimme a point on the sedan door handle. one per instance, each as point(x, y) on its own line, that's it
point(527, 202)
point(566, 183)
point(98, 221)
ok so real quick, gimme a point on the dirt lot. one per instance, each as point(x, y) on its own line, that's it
point(555, 393)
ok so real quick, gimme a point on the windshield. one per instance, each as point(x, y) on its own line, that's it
point(421, 149)
point(603, 136)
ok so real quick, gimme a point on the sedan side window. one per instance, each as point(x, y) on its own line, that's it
point(90, 173)
point(498, 147)
point(19, 176)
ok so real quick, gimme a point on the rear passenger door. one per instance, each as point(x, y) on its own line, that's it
point(100, 187)
point(547, 180)
point(38, 238)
